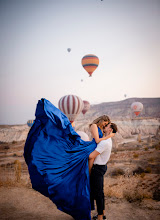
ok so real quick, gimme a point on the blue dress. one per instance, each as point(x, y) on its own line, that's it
point(57, 160)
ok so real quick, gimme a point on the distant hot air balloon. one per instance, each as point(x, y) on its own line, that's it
point(137, 107)
point(125, 95)
point(90, 62)
point(73, 124)
point(71, 106)
point(30, 123)
point(69, 49)
point(86, 106)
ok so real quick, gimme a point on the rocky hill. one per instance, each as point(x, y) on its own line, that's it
point(122, 109)
point(129, 126)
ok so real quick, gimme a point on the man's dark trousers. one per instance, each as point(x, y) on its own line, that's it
point(96, 184)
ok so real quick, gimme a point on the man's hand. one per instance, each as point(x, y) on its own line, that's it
point(112, 134)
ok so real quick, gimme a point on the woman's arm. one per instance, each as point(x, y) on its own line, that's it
point(95, 134)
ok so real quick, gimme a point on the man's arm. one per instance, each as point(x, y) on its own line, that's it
point(95, 135)
point(92, 157)
point(99, 149)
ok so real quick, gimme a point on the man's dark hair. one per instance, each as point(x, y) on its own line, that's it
point(114, 127)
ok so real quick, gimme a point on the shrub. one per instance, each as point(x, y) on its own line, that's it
point(146, 148)
point(8, 164)
point(6, 147)
point(151, 159)
point(133, 196)
point(116, 187)
point(136, 155)
point(157, 147)
point(156, 195)
point(142, 175)
point(139, 170)
point(117, 172)
point(148, 170)
point(14, 142)
point(17, 170)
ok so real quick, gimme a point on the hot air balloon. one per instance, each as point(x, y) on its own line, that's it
point(30, 123)
point(86, 106)
point(83, 135)
point(90, 62)
point(71, 106)
point(69, 49)
point(125, 95)
point(73, 124)
point(137, 107)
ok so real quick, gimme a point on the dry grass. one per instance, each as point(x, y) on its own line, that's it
point(121, 184)
point(13, 183)
point(117, 172)
point(142, 175)
point(135, 155)
point(157, 147)
point(148, 170)
point(127, 188)
point(136, 195)
point(18, 169)
point(11, 175)
point(151, 159)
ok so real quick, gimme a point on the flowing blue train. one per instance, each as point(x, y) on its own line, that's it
point(57, 160)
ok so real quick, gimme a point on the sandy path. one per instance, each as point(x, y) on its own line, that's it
point(26, 204)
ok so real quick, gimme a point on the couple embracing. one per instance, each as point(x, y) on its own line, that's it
point(102, 130)
point(58, 161)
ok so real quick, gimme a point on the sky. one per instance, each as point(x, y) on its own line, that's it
point(35, 63)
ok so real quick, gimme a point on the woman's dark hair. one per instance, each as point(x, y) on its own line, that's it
point(114, 127)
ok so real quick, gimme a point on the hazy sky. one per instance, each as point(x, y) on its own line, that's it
point(35, 64)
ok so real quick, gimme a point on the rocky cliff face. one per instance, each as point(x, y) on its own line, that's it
point(13, 133)
point(129, 126)
point(128, 129)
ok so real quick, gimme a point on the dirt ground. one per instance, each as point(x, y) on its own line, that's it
point(24, 204)
point(128, 196)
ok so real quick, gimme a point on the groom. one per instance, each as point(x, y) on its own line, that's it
point(100, 156)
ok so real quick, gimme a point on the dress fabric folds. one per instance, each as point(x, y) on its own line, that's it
point(57, 160)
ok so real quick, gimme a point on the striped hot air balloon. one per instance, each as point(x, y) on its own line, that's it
point(71, 106)
point(86, 106)
point(137, 107)
point(30, 123)
point(90, 62)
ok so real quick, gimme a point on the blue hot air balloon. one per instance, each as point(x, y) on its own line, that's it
point(30, 123)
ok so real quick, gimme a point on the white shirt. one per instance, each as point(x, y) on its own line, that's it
point(104, 148)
